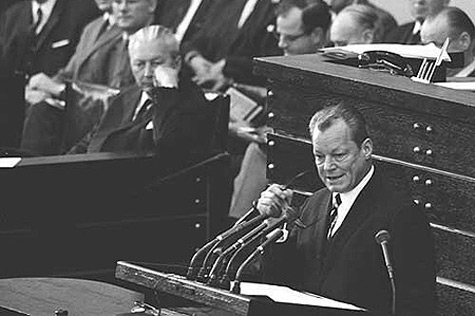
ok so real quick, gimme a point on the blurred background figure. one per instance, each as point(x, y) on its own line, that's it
point(356, 24)
point(386, 20)
point(409, 33)
point(41, 35)
point(184, 17)
point(234, 32)
point(302, 26)
point(455, 24)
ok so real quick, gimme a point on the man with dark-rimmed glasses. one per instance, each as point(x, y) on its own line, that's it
point(302, 26)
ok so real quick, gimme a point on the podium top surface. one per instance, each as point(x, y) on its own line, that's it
point(316, 72)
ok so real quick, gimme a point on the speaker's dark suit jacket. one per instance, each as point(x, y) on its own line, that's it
point(182, 122)
point(352, 269)
point(403, 35)
point(56, 42)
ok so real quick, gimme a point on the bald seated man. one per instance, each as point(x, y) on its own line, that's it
point(455, 24)
point(356, 24)
point(387, 21)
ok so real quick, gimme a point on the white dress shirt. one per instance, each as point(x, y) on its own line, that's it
point(46, 8)
point(348, 199)
point(143, 99)
point(246, 12)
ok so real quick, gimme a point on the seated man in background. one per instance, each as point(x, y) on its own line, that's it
point(234, 32)
point(163, 112)
point(355, 24)
point(386, 20)
point(301, 28)
point(332, 250)
point(455, 24)
point(101, 58)
point(410, 33)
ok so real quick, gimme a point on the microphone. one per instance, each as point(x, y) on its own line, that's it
point(290, 216)
point(270, 238)
point(222, 260)
point(382, 238)
point(198, 267)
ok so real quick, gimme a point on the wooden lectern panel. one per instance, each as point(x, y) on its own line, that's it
point(423, 136)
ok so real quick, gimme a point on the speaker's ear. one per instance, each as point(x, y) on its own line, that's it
point(367, 148)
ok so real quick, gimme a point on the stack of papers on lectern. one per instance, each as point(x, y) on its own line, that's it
point(283, 294)
point(409, 51)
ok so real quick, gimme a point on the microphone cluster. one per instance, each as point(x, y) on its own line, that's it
point(224, 258)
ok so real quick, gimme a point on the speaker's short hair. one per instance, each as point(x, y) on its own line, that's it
point(326, 117)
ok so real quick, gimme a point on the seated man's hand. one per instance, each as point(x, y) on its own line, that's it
point(274, 200)
point(200, 65)
point(44, 83)
point(165, 77)
point(35, 96)
point(251, 134)
point(214, 76)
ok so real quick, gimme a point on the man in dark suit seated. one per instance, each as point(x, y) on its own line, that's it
point(332, 249)
point(455, 24)
point(409, 33)
point(162, 112)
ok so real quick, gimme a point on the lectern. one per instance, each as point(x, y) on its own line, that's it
point(219, 301)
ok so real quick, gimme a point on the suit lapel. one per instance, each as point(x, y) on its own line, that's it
point(49, 26)
point(114, 33)
point(359, 212)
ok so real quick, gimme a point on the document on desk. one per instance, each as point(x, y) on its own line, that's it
point(9, 162)
point(283, 294)
point(410, 51)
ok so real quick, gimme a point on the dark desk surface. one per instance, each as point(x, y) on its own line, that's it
point(42, 296)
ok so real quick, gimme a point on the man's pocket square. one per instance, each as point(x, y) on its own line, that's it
point(60, 43)
point(149, 126)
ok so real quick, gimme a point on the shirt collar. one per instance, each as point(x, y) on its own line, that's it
point(46, 7)
point(417, 27)
point(109, 18)
point(348, 198)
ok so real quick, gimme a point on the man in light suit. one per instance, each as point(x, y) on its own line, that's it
point(163, 113)
point(41, 35)
point(409, 33)
point(332, 250)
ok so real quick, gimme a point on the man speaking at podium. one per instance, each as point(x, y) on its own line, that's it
point(332, 250)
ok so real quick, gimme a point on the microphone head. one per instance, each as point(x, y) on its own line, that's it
point(382, 236)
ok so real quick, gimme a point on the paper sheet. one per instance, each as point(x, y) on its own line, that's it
point(409, 51)
point(469, 85)
point(284, 294)
point(9, 162)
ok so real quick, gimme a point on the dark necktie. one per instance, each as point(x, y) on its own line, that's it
point(39, 15)
point(143, 110)
point(332, 216)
